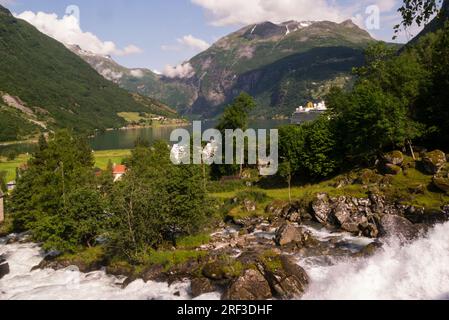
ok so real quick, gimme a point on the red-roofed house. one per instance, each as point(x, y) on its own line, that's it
point(118, 172)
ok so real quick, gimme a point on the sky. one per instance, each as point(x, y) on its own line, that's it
point(161, 34)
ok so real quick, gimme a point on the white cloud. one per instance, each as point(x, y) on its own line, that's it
point(7, 2)
point(137, 73)
point(194, 43)
point(237, 12)
point(184, 70)
point(187, 42)
point(68, 31)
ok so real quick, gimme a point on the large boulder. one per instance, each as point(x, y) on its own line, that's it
point(286, 278)
point(289, 233)
point(396, 226)
point(200, 286)
point(395, 157)
point(434, 161)
point(249, 286)
point(4, 268)
point(442, 183)
point(322, 209)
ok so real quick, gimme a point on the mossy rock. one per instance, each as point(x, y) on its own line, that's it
point(368, 177)
point(441, 183)
point(395, 157)
point(392, 169)
point(434, 161)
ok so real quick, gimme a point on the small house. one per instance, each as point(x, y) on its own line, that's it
point(11, 185)
point(118, 171)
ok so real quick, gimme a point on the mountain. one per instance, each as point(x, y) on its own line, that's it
point(282, 65)
point(46, 86)
point(142, 81)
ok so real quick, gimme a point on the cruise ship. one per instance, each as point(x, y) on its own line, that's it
point(308, 113)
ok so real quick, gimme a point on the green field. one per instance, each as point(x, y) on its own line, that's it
point(101, 161)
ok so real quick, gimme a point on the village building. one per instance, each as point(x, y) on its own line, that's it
point(118, 171)
point(11, 186)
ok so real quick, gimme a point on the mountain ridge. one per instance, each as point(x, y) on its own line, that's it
point(268, 60)
point(59, 87)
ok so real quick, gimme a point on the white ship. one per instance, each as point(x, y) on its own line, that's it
point(309, 113)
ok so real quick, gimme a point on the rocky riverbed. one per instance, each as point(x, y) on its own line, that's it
point(296, 254)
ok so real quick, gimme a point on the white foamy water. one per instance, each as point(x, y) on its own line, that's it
point(70, 284)
point(417, 271)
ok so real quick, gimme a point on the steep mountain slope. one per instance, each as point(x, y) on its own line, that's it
point(46, 83)
point(282, 65)
point(142, 81)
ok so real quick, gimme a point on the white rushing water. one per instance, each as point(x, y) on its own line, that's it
point(70, 284)
point(419, 270)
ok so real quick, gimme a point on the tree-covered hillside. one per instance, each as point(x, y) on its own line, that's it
point(57, 86)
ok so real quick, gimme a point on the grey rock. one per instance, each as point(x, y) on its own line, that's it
point(250, 286)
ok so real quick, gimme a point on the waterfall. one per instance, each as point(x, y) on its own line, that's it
point(417, 271)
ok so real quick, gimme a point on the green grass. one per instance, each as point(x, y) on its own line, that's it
point(101, 161)
point(169, 259)
point(87, 255)
point(430, 198)
point(116, 156)
point(10, 166)
point(131, 116)
point(193, 242)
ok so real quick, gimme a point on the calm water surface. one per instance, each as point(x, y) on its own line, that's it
point(124, 139)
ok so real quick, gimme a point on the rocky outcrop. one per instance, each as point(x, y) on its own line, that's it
point(433, 161)
point(395, 158)
point(4, 268)
point(289, 233)
point(322, 209)
point(358, 216)
point(396, 226)
point(294, 212)
point(200, 286)
point(249, 286)
point(286, 278)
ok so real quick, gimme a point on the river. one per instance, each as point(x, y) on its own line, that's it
point(417, 271)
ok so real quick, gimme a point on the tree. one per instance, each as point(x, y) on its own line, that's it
point(56, 198)
point(420, 12)
point(291, 147)
point(235, 117)
point(156, 201)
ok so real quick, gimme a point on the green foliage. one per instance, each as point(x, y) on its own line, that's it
point(235, 115)
point(156, 201)
point(193, 241)
point(56, 197)
point(14, 127)
point(170, 259)
point(310, 150)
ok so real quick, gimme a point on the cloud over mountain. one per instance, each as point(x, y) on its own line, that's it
point(68, 31)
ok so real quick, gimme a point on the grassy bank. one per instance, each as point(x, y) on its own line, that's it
point(101, 161)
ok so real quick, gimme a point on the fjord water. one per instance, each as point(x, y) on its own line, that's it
point(125, 139)
point(417, 270)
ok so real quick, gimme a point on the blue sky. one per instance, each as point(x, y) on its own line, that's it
point(169, 32)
